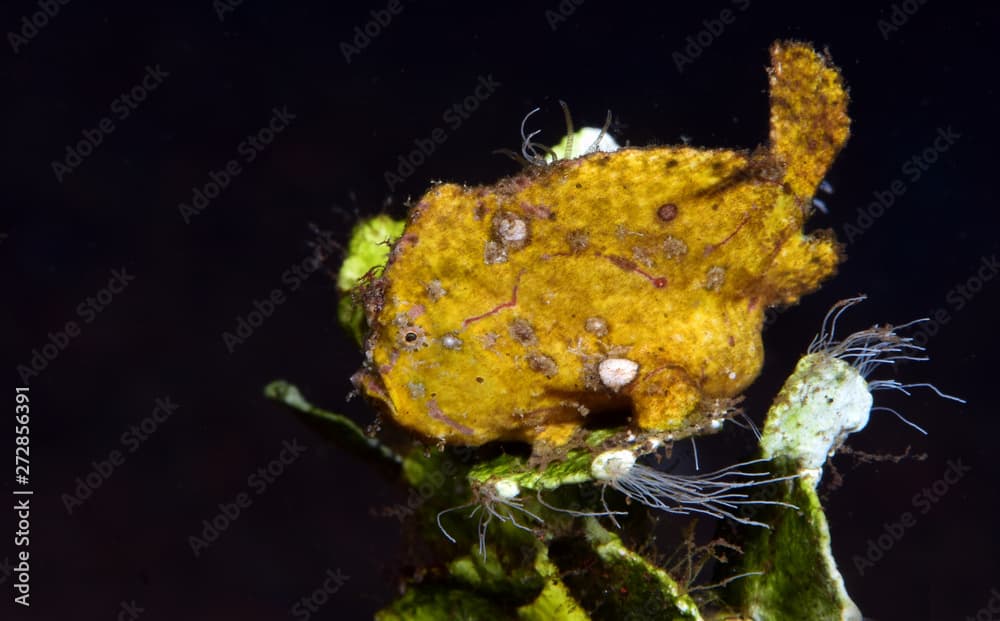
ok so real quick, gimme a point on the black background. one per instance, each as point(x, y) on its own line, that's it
point(162, 335)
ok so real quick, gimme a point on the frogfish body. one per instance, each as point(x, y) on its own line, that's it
point(635, 279)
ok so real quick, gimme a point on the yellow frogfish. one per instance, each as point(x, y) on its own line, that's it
point(635, 280)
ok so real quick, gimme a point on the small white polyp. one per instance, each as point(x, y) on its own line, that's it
point(617, 372)
point(507, 489)
point(611, 465)
point(823, 401)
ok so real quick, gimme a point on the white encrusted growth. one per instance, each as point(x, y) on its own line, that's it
point(616, 373)
point(718, 494)
point(823, 401)
point(828, 396)
point(610, 465)
point(498, 499)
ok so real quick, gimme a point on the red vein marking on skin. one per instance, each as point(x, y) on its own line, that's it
point(539, 212)
point(630, 266)
point(499, 307)
point(650, 374)
point(709, 249)
point(677, 367)
point(777, 249)
point(435, 412)
point(769, 261)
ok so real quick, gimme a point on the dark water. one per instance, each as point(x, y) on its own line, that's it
point(195, 87)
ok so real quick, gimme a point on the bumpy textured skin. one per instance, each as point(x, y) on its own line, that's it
point(479, 323)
